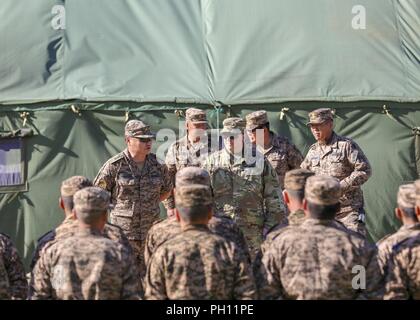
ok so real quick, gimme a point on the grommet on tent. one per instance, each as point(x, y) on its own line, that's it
point(24, 116)
point(75, 110)
point(179, 113)
point(283, 112)
point(386, 111)
point(334, 112)
point(127, 115)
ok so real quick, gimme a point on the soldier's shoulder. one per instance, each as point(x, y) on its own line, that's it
point(113, 228)
point(407, 243)
point(285, 232)
point(4, 237)
point(313, 147)
point(46, 237)
point(114, 160)
point(5, 241)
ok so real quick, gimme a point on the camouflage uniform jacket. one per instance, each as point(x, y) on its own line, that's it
point(68, 228)
point(283, 156)
point(135, 193)
point(220, 224)
point(403, 275)
point(386, 244)
point(315, 261)
point(4, 282)
point(86, 266)
point(181, 154)
point(343, 159)
point(12, 269)
point(248, 193)
point(198, 264)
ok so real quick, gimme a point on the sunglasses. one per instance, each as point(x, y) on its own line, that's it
point(144, 140)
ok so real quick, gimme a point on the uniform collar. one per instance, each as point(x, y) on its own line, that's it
point(88, 232)
point(415, 226)
point(199, 227)
point(312, 222)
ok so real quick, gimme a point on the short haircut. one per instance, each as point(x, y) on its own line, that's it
point(90, 217)
point(323, 212)
point(298, 195)
point(409, 212)
point(195, 213)
point(67, 202)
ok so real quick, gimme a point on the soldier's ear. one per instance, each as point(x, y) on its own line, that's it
point(417, 209)
point(61, 203)
point(286, 197)
point(398, 213)
point(305, 207)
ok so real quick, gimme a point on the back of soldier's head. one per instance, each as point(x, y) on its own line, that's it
point(91, 204)
point(322, 194)
point(294, 183)
point(192, 175)
point(70, 186)
point(193, 202)
point(406, 200)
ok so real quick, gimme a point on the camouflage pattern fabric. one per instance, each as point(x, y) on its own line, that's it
point(320, 258)
point(135, 194)
point(386, 244)
point(283, 156)
point(250, 197)
point(12, 273)
point(4, 282)
point(403, 275)
point(198, 264)
point(343, 159)
point(86, 266)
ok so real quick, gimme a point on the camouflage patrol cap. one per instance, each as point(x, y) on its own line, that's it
point(233, 126)
point(91, 199)
point(417, 185)
point(188, 196)
point(195, 115)
point(323, 190)
point(192, 175)
point(319, 116)
point(296, 179)
point(256, 119)
point(138, 129)
point(407, 196)
point(73, 184)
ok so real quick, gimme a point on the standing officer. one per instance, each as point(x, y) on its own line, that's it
point(245, 188)
point(137, 183)
point(189, 151)
point(342, 158)
point(282, 154)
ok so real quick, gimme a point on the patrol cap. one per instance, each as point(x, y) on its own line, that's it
point(319, 116)
point(406, 197)
point(192, 175)
point(195, 115)
point(256, 119)
point(73, 184)
point(192, 195)
point(322, 190)
point(91, 199)
point(233, 126)
point(138, 129)
point(296, 179)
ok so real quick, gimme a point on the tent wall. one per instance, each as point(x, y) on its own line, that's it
point(67, 144)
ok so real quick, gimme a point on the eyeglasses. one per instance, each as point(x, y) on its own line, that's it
point(144, 140)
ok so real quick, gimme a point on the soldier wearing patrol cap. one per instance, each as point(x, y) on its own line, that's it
point(189, 151)
point(196, 263)
point(86, 265)
point(319, 248)
point(342, 158)
point(219, 223)
point(137, 183)
point(282, 154)
point(406, 213)
point(69, 226)
point(245, 187)
point(403, 270)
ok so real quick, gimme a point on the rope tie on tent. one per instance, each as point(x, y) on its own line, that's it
point(179, 113)
point(283, 112)
point(24, 116)
point(386, 111)
point(75, 110)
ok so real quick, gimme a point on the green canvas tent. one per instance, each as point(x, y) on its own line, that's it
point(74, 71)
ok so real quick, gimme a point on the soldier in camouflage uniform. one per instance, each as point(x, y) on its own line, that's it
point(406, 213)
point(198, 264)
point(320, 256)
point(220, 224)
point(189, 151)
point(69, 226)
point(245, 188)
point(137, 183)
point(403, 271)
point(342, 158)
point(13, 284)
point(282, 154)
point(86, 266)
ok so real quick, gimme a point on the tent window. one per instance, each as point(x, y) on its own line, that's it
point(12, 166)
